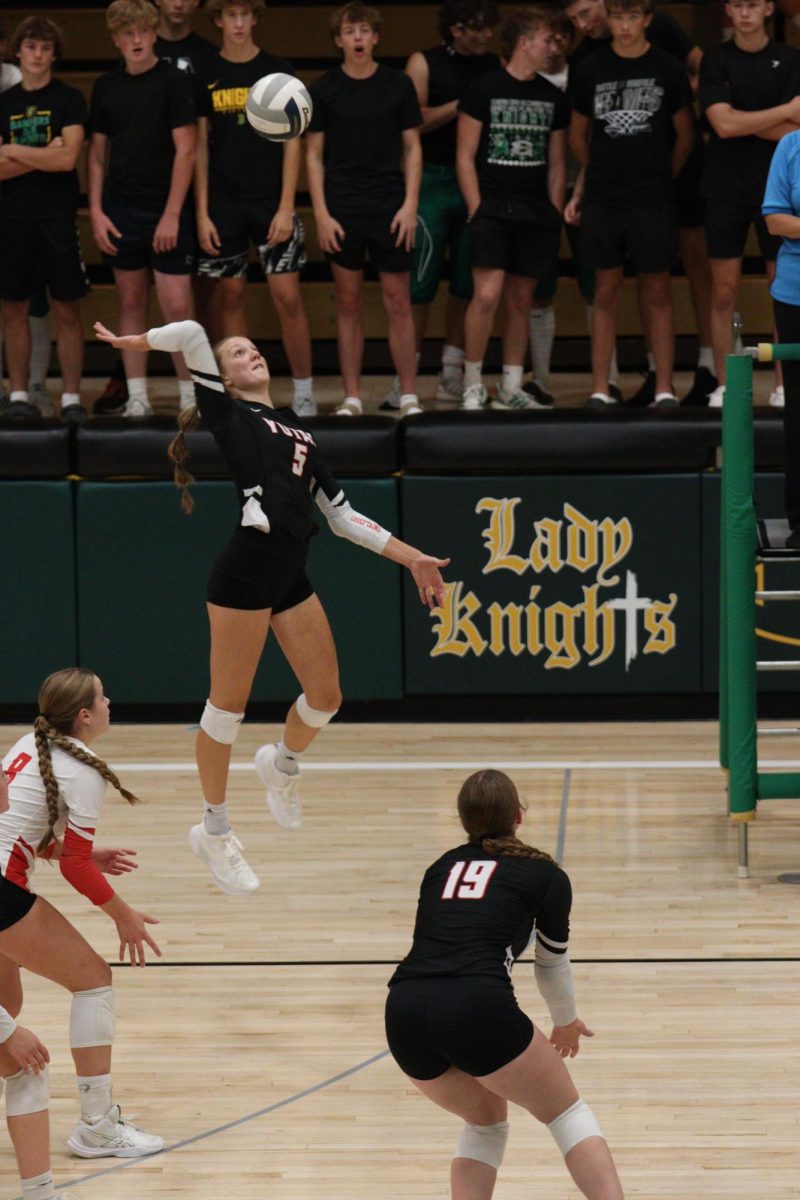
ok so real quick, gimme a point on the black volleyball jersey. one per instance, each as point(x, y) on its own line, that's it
point(477, 912)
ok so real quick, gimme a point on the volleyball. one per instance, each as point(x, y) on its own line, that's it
point(278, 107)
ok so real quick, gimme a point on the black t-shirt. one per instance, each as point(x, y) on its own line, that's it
point(737, 168)
point(242, 164)
point(191, 54)
point(476, 914)
point(631, 103)
point(137, 113)
point(35, 119)
point(363, 121)
point(449, 76)
point(663, 31)
point(517, 118)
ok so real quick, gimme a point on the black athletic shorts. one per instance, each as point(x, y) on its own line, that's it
point(644, 235)
point(689, 204)
point(369, 235)
point(521, 239)
point(15, 903)
point(471, 1022)
point(727, 225)
point(260, 570)
point(135, 247)
point(240, 223)
point(39, 253)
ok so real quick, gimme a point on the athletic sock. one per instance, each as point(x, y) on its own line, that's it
point(705, 358)
point(542, 326)
point(302, 388)
point(68, 399)
point(651, 362)
point(452, 363)
point(19, 397)
point(472, 373)
point(95, 1093)
point(185, 392)
point(137, 388)
point(39, 1187)
point(512, 379)
point(215, 819)
point(287, 760)
point(40, 350)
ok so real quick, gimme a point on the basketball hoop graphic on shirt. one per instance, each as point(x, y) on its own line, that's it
point(626, 122)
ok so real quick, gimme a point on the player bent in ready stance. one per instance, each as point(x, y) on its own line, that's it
point(259, 582)
point(56, 786)
point(452, 1021)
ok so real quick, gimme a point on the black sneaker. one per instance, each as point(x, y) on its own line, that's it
point(646, 393)
point(543, 398)
point(21, 410)
point(615, 392)
point(704, 384)
point(601, 400)
point(73, 414)
point(112, 400)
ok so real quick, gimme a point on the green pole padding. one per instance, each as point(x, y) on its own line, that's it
point(738, 582)
point(724, 753)
point(779, 785)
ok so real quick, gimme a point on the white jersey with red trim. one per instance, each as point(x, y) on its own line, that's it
point(81, 788)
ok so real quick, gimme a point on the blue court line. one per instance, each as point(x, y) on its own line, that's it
point(199, 1137)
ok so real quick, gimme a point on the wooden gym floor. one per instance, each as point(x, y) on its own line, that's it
point(256, 1048)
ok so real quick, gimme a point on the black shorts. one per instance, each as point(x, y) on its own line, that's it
point(644, 235)
point(241, 223)
point(135, 248)
point(520, 239)
point(689, 204)
point(727, 225)
point(473, 1023)
point(15, 903)
point(39, 253)
point(369, 235)
point(260, 570)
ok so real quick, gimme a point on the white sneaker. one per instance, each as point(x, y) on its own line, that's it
point(409, 405)
point(138, 407)
point(39, 396)
point(778, 398)
point(350, 407)
point(304, 406)
point(716, 397)
point(450, 388)
point(391, 401)
point(282, 789)
point(515, 401)
point(223, 856)
point(112, 1137)
point(474, 398)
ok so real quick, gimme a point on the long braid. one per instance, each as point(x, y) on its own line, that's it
point(178, 451)
point(511, 847)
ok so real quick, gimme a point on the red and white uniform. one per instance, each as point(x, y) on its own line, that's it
point(22, 827)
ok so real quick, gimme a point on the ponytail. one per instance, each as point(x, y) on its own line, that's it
point(188, 420)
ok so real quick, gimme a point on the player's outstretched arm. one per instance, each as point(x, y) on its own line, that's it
point(131, 341)
point(424, 568)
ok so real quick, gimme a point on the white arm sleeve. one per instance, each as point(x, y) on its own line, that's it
point(7, 1025)
point(553, 972)
point(345, 522)
point(190, 338)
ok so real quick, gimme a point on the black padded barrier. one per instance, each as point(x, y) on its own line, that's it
point(768, 440)
point(35, 451)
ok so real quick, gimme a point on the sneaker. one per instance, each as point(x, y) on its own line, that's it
point(514, 401)
point(410, 406)
point(646, 394)
point(391, 401)
point(224, 859)
point(777, 398)
point(304, 406)
point(39, 395)
point(474, 398)
point(450, 388)
point(138, 406)
point(112, 400)
point(21, 410)
point(601, 400)
point(543, 396)
point(703, 385)
point(350, 407)
point(112, 1137)
point(666, 400)
point(73, 414)
point(615, 392)
point(717, 396)
point(282, 797)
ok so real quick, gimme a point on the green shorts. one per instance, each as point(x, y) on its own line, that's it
point(441, 231)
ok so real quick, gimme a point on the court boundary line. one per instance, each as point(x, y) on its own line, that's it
point(733, 960)
point(394, 765)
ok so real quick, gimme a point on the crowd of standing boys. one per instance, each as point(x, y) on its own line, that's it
point(597, 117)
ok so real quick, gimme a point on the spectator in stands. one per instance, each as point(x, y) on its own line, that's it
point(141, 159)
point(590, 17)
point(511, 160)
point(632, 128)
point(245, 189)
point(749, 92)
point(364, 166)
point(440, 77)
point(42, 124)
point(9, 75)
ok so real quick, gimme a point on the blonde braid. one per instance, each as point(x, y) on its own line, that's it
point(178, 451)
point(511, 847)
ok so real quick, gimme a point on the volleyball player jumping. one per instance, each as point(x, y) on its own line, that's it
point(259, 582)
point(452, 1021)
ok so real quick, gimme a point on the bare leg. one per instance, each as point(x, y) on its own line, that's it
point(467, 1098)
point(656, 294)
point(285, 293)
point(518, 298)
point(454, 321)
point(349, 287)
point(305, 638)
point(402, 339)
point(133, 288)
point(18, 343)
point(694, 256)
point(175, 301)
point(604, 325)
point(725, 276)
point(230, 307)
point(419, 313)
point(69, 342)
point(237, 641)
point(488, 287)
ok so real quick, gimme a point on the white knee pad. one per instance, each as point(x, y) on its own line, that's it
point(314, 717)
point(91, 1021)
point(574, 1125)
point(484, 1143)
point(27, 1093)
point(221, 726)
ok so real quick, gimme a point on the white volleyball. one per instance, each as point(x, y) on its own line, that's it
point(278, 107)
